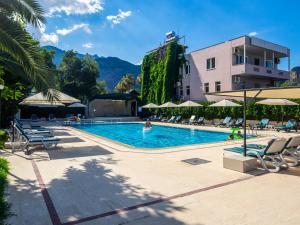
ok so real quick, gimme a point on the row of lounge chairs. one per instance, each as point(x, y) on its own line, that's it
point(32, 136)
point(278, 153)
point(177, 119)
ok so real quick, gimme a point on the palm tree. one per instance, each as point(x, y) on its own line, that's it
point(126, 83)
point(19, 53)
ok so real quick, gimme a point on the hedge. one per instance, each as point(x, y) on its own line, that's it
point(253, 112)
point(4, 205)
point(3, 138)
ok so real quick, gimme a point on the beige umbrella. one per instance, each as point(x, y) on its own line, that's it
point(271, 101)
point(40, 98)
point(189, 104)
point(225, 103)
point(280, 102)
point(150, 106)
point(168, 105)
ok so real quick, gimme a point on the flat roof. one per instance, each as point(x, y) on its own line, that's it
point(232, 40)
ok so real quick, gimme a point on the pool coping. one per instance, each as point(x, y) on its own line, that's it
point(174, 148)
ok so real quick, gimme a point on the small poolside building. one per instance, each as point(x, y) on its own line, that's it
point(113, 105)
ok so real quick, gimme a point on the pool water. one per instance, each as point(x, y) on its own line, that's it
point(134, 135)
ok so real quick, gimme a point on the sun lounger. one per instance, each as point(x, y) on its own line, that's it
point(200, 121)
point(177, 119)
point(37, 139)
point(270, 154)
point(262, 124)
point(290, 125)
point(292, 148)
point(192, 119)
point(225, 122)
point(172, 119)
point(237, 123)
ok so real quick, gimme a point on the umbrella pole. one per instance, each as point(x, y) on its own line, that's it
point(245, 138)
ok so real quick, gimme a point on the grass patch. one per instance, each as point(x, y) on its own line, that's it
point(3, 138)
point(4, 205)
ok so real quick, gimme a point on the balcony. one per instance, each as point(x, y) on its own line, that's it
point(259, 71)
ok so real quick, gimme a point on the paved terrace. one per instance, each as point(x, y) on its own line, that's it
point(89, 180)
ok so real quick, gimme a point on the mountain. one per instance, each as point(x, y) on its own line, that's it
point(112, 69)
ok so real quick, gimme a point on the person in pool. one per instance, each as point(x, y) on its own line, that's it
point(148, 124)
point(230, 137)
point(239, 134)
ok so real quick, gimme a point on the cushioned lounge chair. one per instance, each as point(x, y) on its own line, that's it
point(177, 119)
point(292, 148)
point(270, 154)
point(192, 119)
point(172, 119)
point(262, 124)
point(290, 125)
point(237, 123)
point(36, 140)
point(200, 121)
point(225, 122)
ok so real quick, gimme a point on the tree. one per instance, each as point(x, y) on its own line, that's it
point(138, 82)
point(126, 83)
point(77, 77)
point(19, 52)
point(101, 87)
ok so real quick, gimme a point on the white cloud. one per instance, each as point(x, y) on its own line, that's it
point(87, 45)
point(66, 31)
point(45, 38)
point(79, 7)
point(253, 33)
point(116, 19)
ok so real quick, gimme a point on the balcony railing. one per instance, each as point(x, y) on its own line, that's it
point(259, 71)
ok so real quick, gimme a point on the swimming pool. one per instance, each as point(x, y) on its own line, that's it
point(158, 136)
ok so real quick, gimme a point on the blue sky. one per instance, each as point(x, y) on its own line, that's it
point(129, 28)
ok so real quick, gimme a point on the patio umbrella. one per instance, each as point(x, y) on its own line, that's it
point(150, 106)
point(225, 103)
point(189, 104)
point(77, 105)
point(168, 105)
point(279, 102)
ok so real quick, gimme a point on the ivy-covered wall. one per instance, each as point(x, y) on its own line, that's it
point(160, 72)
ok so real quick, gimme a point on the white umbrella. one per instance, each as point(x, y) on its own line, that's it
point(189, 104)
point(150, 106)
point(168, 105)
point(77, 105)
point(225, 103)
point(271, 101)
point(279, 102)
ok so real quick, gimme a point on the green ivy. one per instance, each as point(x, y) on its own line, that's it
point(160, 72)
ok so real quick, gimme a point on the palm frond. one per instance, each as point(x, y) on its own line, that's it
point(30, 10)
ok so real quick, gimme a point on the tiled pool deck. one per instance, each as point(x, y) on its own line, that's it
point(91, 180)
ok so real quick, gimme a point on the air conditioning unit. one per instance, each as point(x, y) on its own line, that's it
point(277, 61)
point(237, 79)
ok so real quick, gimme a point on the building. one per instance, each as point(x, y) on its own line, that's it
point(295, 75)
point(113, 104)
point(240, 63)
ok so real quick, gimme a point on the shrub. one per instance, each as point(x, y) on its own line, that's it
point(3, 138)
point(4, 205)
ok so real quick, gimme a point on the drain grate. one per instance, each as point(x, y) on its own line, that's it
point(195, 161)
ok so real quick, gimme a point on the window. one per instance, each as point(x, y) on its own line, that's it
point(180, 90)
point(256, 62)
point(187, 68)
point(187, 90)
point(206, 87)
point(269, 63)
point(239, 59)
point(218, 86)
point(210, 63)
